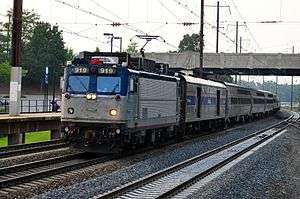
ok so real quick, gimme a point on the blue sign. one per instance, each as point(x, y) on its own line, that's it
point(46, 75)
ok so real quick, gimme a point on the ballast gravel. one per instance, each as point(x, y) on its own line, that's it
point(143, 164)
point(271, 172)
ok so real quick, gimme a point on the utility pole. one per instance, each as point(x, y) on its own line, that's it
point(240, 45)
point(293, 49)
point(8, 35)
point(16, 70)
point(276, 84)
point(292, 86)
point(237, 37)
point(201, 43)
point(218, 26)
point(292, 92)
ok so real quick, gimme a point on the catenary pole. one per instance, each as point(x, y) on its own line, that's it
point(201, 42)
point(16, 69)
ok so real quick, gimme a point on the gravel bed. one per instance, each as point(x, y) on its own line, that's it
point(271, 172)
point(138, 166)
point(10, 161)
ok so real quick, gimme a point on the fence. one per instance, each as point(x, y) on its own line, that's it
point(32, 106)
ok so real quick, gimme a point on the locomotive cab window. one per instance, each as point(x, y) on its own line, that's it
point(108, 84)
point(132, 85)
point(78, 83)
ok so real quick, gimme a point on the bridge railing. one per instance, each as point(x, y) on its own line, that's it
point(32, 106)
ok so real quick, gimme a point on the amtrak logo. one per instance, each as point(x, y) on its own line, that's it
point(190, 100)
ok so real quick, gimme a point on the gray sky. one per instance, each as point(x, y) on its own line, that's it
point(151, 17)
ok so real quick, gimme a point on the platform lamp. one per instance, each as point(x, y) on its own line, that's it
point(111, 35)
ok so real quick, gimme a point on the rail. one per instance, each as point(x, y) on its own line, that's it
point(170, 181)
point(20, 174)
point(23, 149)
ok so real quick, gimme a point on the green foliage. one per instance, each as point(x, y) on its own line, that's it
point(97, 49)
point(29, 22)
point(189, 43)
point(45, 48)
point(69, 54)
point(132, 48)
point(4, 41)
point(4, 72)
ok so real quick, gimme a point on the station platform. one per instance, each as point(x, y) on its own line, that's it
point(15, 127)
point(29, 117)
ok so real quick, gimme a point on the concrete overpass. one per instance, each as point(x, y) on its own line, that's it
point(232, 64)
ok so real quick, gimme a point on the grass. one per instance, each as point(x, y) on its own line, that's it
point(30, 137)
point(3, 141)
point(37, 137)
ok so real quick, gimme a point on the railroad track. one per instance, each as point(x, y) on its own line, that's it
point(23, 149)
point(172, 180)
point(23, 173)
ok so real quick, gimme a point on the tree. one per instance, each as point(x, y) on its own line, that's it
point(45, 48)
point(189, 43)
point(4, 72)
point(69, 54)
point(97, 49)
point(29, 22)
point(4, 41)
point(132, 48)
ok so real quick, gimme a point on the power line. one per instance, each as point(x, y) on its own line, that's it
point(170, 11)
point(106, 19)
point(247, 28)
point(140, 22)
point(209, 24)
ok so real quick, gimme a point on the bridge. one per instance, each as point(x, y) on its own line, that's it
point(233, 64)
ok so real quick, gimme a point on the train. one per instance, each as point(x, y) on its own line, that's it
point(112, 102)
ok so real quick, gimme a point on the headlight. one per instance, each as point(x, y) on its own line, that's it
point(89, 96)
point(94, 96)
point(70, 110)
point(113, 112)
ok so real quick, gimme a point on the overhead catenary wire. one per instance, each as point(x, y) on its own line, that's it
point(247, 28)
point(207, 23)
point(107, 19)
point(68, 31)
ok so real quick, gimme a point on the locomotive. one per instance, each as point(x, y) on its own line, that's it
point(112, 101)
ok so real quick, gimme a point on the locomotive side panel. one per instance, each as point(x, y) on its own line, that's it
point(158, 103)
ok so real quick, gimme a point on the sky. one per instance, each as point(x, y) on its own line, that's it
point(84, 31)
point(84, 22)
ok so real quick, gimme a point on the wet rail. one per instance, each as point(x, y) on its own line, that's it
point(170, 181)
point(23, 173)
point(24, 149)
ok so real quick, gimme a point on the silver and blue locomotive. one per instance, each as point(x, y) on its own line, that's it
point(112, 101)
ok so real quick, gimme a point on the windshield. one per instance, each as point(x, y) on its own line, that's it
point(108, 84)
point(78, 83)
